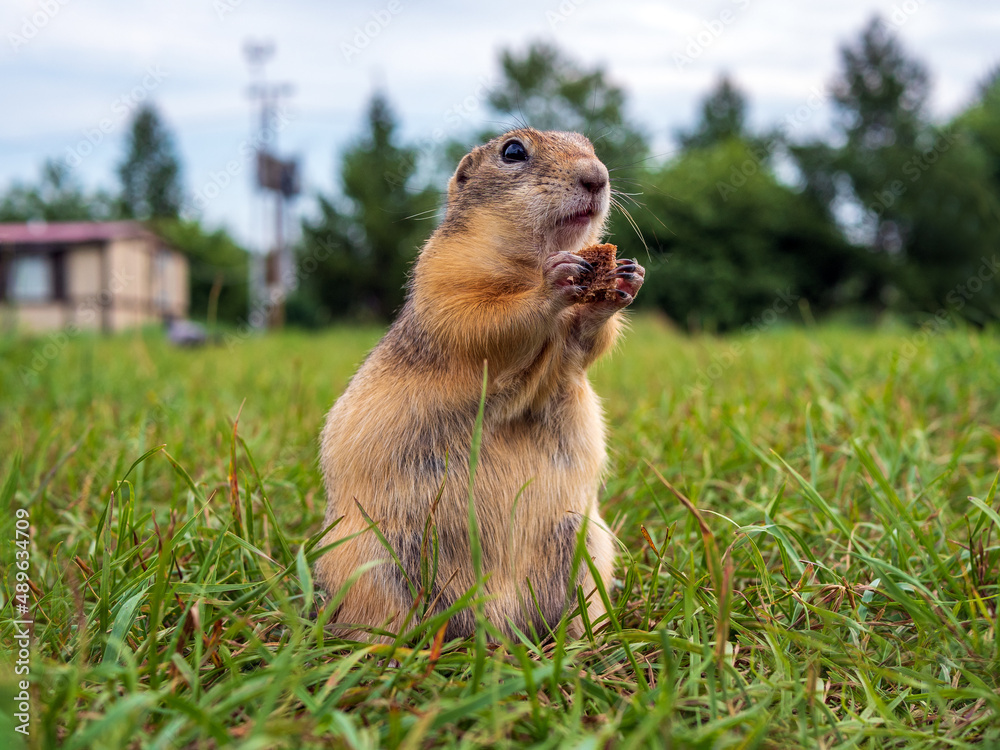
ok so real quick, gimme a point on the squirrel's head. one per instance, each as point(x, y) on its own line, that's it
point(549, 183)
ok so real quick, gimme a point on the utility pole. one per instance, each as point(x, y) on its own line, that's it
point(272, 272)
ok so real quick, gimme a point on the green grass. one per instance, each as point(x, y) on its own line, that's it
point(834, 582)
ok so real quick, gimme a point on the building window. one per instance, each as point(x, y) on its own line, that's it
point(31, 279)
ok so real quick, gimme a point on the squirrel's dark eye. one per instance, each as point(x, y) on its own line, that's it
point(514, 151)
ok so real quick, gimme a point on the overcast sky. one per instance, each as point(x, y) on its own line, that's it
point(69, 67)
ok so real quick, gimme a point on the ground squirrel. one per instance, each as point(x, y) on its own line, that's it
point(498, 281)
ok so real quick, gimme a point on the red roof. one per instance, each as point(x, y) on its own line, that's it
point(70, 232)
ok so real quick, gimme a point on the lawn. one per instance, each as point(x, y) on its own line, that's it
point(824, 572)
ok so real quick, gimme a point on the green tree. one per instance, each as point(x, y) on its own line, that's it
point(949, 221)
point(56, 197)
point(925, 209)
point(738, 247)
point(150, 170)
point(879, 96)
point(880, 93)
point(982, 122)
point(354, 258)
point(723, 116)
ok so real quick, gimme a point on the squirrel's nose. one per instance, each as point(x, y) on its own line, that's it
point(593, 177)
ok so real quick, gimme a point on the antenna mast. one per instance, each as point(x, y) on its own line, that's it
point(271, 273)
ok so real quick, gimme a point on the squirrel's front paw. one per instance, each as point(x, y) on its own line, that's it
point(618, 291)
point(629, 276)
point(563, 272)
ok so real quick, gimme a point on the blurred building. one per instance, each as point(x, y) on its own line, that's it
point(101, 275)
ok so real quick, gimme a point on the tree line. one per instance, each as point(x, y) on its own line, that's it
point(891, 212)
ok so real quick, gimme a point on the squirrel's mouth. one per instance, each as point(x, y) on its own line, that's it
point(579, 218)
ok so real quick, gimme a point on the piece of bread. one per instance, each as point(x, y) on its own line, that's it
point(600, 282)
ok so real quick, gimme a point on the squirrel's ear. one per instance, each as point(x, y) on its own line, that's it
point(462, 174)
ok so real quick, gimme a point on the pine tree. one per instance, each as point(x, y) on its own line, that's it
point(354, 259)
point(150, 171)
point(880, 93)
point(723, 116)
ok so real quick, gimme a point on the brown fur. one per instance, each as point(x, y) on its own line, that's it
point(494, 284)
